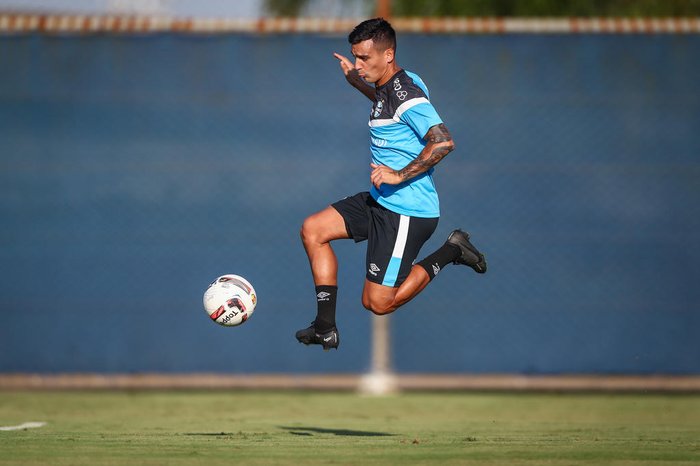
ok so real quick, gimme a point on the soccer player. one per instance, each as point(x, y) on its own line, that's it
point(400, 211)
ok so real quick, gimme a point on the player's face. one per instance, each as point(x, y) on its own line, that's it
point(372, 62)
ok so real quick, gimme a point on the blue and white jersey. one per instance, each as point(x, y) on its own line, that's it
point(401, 116)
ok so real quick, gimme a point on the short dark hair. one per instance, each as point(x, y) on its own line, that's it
point(377, 29)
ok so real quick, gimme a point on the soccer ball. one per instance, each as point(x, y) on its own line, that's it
point(230, 300)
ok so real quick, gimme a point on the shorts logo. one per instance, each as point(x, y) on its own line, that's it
point(373, 269)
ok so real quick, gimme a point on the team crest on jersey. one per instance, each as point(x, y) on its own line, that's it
point(378, 109)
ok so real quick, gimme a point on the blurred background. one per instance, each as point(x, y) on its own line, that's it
point(137, 167)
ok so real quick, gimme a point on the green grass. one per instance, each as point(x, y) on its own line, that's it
point(252, 428)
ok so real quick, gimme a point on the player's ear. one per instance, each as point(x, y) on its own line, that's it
point(389, 55)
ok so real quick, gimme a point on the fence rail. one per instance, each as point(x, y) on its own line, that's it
point(89, 24)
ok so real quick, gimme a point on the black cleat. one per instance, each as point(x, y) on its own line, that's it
point(470, 256)
point(308, 336)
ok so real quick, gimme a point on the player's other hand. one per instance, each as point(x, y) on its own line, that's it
point(381, 174)
point(345, 64)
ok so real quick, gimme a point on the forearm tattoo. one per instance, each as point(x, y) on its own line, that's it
point(439, 145)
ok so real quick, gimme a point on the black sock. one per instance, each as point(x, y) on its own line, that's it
point(436, 261)
point(325, 299)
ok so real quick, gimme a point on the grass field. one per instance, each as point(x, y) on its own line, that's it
point(252, 428)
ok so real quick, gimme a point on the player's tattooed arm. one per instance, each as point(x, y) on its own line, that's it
point(439, 145)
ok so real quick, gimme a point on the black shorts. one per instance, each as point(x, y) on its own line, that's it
point(394, 240)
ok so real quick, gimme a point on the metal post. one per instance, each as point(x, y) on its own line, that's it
point(380, 380)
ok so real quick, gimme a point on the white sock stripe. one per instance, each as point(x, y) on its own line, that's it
point(401, 237)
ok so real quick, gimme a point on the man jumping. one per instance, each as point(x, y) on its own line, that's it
point(401, 210)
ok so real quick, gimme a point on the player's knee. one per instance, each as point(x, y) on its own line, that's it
point(308, 232)
point(381, 310)
point(378, 307)
point(366, 303)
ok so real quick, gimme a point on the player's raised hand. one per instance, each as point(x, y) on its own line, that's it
point(381, 174)
point(345, 64)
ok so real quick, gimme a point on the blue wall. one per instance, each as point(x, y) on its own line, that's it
point(134, 170)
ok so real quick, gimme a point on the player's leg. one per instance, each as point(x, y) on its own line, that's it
point(317, 231)
point(457, 249)
point(382, 299)
point(344, 219)
point(394, 243)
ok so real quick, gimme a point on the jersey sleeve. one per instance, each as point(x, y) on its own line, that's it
point(421, 116)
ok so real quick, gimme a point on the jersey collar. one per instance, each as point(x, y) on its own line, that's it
point(379, 88)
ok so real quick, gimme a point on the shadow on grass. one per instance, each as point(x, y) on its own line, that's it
point(213, 434)
point(344, 432)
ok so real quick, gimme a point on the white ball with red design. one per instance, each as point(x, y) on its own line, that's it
point(230, 300)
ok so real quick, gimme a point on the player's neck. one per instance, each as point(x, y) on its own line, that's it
point(390, 71)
